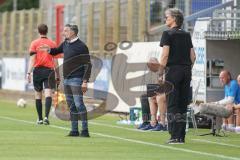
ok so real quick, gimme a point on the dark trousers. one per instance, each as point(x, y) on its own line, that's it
point(145, 108)
point(178, 99)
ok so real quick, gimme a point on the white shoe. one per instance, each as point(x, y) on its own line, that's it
point(46, 121)
point(39, 121)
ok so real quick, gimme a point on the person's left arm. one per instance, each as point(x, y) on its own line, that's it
point(87, 68)
point(192, 52)
point(164, 56)
point(56, 66)
point(56, 69)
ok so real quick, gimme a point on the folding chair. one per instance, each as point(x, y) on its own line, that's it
point(190, 109)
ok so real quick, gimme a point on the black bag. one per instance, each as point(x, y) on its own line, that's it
point(202, 122)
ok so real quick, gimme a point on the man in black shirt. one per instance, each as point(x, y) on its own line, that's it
point(178, 55)
point(76, 73)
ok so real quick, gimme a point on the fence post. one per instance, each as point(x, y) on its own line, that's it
point(142, 20)
point(21, 32)
point(40, 16)
point(30, 25)
point(90, 27)
point(4, 31)
point(130, 21)
point(78, 15)
point(116, 20)
point(102, 25)
point(12, 31)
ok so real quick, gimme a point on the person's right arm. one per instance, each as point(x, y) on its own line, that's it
point(32, 53)
point(52, 51)
point(30, 67)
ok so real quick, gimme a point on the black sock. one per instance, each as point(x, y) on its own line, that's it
point(39, 108)
point(48, 104)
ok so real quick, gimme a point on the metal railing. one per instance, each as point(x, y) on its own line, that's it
point(224, 25)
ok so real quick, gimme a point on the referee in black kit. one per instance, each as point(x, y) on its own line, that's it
point(178, 55)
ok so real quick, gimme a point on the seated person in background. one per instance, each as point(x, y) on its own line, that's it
point(157, 103)
point(145, 111)
point(236, 107)
point(230, 90)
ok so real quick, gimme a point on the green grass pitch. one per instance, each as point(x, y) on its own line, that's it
point(22, 139)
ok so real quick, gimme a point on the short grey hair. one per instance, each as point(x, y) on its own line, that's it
point(73, 27)
point(177, 14)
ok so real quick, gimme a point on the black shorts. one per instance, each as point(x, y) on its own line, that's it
point(43, 76)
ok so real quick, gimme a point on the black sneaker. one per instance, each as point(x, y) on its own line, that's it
point(181, 140)
point(73, 134)
point(46, 121)
point(159, 127)
point(148, 127)
point(144, 124)
point(174, 141)
point(84, 133)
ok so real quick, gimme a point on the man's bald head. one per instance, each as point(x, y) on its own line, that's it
point(225, 77)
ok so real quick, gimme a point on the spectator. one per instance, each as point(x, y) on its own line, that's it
point(235, 107)
point(157, 105)
point(231, 90)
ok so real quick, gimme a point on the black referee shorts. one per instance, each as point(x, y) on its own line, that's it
point(43, 76)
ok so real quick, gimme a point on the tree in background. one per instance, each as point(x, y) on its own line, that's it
point(7, 5)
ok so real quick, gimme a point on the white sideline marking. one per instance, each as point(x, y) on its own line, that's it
point(138, 130)
point(222, 144)
point(136, 141)
point(112, 126)
point(125, 128)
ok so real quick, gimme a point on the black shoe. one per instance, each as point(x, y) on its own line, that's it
point(84, 133)
point(174, 141)
point(144, 124)
point(73, 134)
point(181, 140)
point(46, 121)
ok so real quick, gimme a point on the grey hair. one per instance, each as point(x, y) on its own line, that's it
point(73, 27)
point(177, 14)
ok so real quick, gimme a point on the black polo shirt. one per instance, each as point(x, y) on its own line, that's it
point(180, 44)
